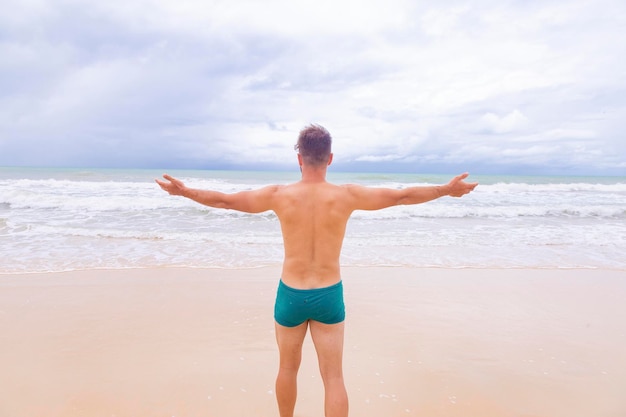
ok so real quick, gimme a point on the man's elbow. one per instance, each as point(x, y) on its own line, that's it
point(222, 201)
point(406, 201)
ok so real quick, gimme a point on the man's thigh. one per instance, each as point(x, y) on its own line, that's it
point(290, 340)
point(328, 341)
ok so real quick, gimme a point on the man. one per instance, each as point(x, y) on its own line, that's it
point(313, 214)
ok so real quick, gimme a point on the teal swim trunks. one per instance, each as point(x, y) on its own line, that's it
point(295, 306)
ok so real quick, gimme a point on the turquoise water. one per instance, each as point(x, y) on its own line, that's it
point(63, 219)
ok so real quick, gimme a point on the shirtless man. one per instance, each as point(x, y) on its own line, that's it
point(313, 214)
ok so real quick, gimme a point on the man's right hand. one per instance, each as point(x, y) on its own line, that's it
point(458, 188)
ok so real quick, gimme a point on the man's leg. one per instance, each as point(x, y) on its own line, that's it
point(289, 341)
point(328, 340)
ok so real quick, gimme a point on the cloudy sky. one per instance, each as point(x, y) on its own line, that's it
point(517, 87)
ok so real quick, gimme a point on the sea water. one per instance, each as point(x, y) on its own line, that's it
point(72, 219)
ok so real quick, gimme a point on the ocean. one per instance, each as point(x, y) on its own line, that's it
point(74, 219)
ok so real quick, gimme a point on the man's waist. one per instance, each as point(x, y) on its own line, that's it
point(331, 287)
point(304, 279)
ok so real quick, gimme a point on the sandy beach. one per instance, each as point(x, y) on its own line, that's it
point(419, 342)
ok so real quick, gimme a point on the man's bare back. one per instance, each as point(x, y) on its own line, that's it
point(313, 218)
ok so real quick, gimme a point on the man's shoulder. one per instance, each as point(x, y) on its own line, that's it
point(353, 187)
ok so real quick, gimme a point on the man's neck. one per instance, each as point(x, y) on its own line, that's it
point(313, 174)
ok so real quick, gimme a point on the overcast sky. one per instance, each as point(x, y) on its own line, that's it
point(518, 87)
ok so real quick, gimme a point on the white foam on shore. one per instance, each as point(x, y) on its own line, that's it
point(118, 220)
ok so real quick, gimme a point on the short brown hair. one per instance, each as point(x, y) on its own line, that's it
point(314, 144)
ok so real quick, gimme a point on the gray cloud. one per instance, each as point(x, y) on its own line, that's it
point(501, 87)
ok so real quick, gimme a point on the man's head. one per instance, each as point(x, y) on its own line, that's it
point(314, 145)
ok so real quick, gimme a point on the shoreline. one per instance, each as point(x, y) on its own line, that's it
point(419, 341)
point(343, 267)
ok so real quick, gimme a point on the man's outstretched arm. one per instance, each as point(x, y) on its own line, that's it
point(366, 198)
point(255, 201)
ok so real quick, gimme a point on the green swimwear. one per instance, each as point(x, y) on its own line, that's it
point(295, 306)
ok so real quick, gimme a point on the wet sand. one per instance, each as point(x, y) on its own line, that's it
point(419, 342)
